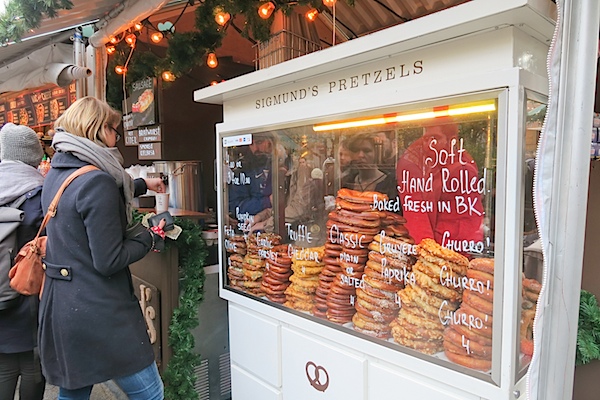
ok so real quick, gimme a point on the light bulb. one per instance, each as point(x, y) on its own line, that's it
point(114, 39)
point(222, 17)
point(130, 39)
point(119, 69)
point(265, 10)
point(214, 83)
point(138, 26)
point(311, 15)
point(329, 3)
point(168, 76)
point(156, 37)
point(211, 60)
point(110, 49)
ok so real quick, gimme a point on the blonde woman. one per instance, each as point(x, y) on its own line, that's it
point(91, 326)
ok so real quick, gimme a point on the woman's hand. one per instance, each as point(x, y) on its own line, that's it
point(155, 184)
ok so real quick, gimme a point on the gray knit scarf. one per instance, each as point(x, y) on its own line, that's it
point(108, 159)
point(16, 179)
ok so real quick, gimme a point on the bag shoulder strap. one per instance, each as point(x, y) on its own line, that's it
point(54, 204)
point(19, 201)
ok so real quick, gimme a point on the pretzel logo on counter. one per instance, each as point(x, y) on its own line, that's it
point(313, 373)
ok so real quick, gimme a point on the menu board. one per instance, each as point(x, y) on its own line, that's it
point(150, 151)
point(20, 111)
point(143, 104)
point(131, 138)
point(2, 113)
point(140, 120)
point(40, 107)
point(149, 134)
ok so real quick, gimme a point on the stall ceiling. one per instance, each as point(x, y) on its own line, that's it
point(364, 17)
point(367, 16)
point(54, 30)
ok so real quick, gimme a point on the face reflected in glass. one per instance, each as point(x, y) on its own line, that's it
point(364, 152)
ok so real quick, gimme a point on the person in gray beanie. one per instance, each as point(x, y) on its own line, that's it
point(20, 186)
point(20, 143)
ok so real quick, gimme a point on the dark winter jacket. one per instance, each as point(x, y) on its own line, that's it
point(18, 324)
point(251, 186)
point(91, 326)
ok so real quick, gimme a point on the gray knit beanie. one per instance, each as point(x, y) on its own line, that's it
point(20, 143)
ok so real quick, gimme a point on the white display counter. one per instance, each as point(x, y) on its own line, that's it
point(479, 68)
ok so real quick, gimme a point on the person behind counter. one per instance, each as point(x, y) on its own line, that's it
point(368, 176)
point(250, 189)
point(462, 219)
point(91, 325)
point(20, 185)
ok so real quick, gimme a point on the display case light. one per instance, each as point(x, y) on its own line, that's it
point(110, 49)
point(329, 3)
point(266, 9)
point(312, 14)
point(138, 26)
point(114, 39)
point(211, 60)
point(156, 37)
point(462, 109)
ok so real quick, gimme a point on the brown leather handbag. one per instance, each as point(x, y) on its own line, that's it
point(27, 274)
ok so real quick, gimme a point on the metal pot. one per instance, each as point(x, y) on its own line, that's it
point(184, 183)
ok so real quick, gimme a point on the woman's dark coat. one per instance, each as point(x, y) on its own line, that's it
point(91, 326)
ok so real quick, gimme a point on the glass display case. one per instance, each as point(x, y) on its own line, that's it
point(383, 225)
point(375, 211)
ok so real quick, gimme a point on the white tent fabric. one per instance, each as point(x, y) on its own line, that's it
point(560, 196)
point(132, 12)
point(51, 64)
point(57, 73)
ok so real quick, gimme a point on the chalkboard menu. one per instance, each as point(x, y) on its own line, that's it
point(141, 105)
point(140, 120)
point(37, 108)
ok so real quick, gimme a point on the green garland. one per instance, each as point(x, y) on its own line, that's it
point(179, 377)
point(189, 49)
point(20, 16)
point(588, 333)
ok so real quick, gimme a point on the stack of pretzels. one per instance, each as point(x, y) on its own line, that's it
point(236, 250)
point(278, 269)
point(307, 264)
point(434, 288)
point(352, 226)
point(254, 263)
point(531, 292)
point(390, 260)
point(468, 338)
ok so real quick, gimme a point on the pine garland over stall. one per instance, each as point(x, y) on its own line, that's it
point(187, 50)
point(21, 16)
